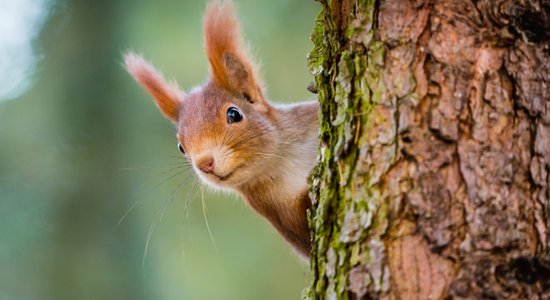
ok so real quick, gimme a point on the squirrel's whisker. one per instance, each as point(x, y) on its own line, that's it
point(260, 141)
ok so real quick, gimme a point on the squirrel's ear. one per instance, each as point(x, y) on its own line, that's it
point(230, 65)
point(168, 96)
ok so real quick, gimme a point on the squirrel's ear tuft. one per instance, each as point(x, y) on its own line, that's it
point(168, 96)
point(230, 64)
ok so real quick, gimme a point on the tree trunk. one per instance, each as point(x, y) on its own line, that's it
point(433, 179)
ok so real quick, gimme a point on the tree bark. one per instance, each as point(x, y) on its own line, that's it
point(433, 178)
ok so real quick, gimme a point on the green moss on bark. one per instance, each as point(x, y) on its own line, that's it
point(433, 146)
point(346, 64)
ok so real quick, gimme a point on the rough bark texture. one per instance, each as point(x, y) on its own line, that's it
point(433, 178)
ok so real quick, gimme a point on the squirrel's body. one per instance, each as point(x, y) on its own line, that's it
point(281, 194)
point(234, 138)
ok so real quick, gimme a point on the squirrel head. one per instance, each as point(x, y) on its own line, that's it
point(226, 128)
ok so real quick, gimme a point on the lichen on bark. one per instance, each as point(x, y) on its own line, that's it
point(433, 173)
point(346, 62)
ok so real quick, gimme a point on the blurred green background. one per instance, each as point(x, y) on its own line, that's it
point(85, 143)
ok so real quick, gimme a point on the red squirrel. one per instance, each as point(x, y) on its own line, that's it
point(234, 138)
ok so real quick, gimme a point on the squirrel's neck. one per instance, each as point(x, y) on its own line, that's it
point(281, 193)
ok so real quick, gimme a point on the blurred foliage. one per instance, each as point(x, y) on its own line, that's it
point(86, 144)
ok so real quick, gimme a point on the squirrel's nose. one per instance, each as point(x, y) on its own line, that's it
point(206, 164)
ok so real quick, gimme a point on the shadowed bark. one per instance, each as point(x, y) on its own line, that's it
point(433, 179)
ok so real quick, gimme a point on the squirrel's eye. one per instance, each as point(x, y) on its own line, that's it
point(180, 147)
point(234, 115)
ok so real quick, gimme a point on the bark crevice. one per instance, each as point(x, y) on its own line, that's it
point(433, 178)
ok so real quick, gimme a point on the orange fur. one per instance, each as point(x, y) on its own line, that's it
point(222, 39)
point(267, 155)
point(167, 95)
